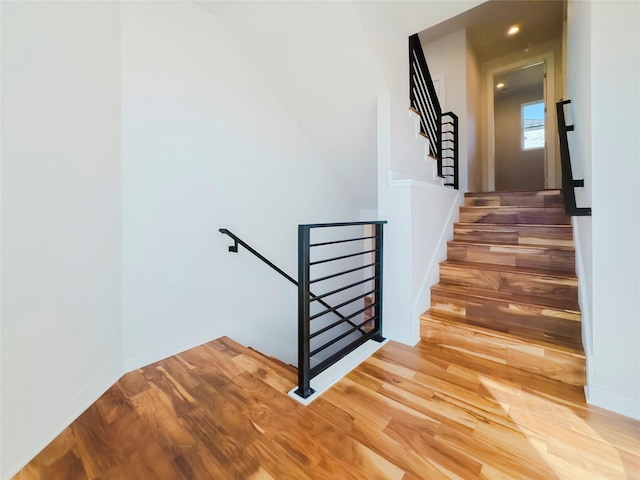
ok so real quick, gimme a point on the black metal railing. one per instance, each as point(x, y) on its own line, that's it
point(433, 124)
point(449, 162)
point(234, 249)
point(346, 262)
point(568, 182)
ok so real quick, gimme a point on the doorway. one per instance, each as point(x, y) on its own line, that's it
point(521, 133)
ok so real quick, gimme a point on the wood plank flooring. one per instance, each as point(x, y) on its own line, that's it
point(220, 411)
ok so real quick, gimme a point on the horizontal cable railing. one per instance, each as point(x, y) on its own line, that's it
point(347, 264)
point(234, 249)
point(568, 183)
point(441, 129)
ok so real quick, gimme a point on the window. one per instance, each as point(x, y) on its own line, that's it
point(532, 125)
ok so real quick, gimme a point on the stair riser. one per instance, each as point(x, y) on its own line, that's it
point(526, 321)
point(512, 282)
point(515, 235)
point(559, 260)
point(508, 215)
point(536, 199)
point(565, 367)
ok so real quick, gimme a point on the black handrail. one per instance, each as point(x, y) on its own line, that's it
point(568, 183)
point(234, 249)
point(424, 101)
point(305, 331)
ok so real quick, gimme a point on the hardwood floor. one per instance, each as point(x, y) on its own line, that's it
point(220, 411)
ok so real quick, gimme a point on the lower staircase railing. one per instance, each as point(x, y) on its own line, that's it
point(344, 262)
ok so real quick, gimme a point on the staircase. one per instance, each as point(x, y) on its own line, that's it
point(508, 290)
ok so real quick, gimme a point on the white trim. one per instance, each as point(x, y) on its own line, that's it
point(396, 181)
point(182, 344)
point(437, 256)
point(583, 293)
point(523, 147)
point(550, 128)
point(25, 449)
point(332, 375)
point(599, 397)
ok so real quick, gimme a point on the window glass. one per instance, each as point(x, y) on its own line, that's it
point(533, 125)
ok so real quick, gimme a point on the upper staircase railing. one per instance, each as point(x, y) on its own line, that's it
point(568, 183)
point(443, 142)
point(345, 263)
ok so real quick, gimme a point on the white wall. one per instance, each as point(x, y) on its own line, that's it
point(536, 52)
point(411, 253)
point(515, 168)
point(314, 57)
point(606, 138)
point(206, 145)
point(448, 56)
point(474, 122)
point(61, 187)
point(421, 214)
point(578, 88)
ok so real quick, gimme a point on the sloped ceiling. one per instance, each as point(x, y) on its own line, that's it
point(320, 66)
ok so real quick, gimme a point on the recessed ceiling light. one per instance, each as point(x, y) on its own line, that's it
point(500, 85)
point(513, 30)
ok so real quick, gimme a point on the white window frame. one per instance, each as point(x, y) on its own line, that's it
point(522, 126)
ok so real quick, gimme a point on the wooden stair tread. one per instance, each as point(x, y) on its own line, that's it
point(510, 269)
point(515, 234)
point(514, 225)
point(551, 191)
point(520, 246)
point(509, 207)
point(550, 215)
point(508, 290)
point(520, 298)
point(574, 351)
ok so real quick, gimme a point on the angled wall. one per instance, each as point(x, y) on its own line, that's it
point(206, 145)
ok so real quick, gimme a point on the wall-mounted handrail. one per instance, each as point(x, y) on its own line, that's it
point(568, 183)
point(441, 133)
point(367, 290)
point(238, 241)
point(234, 249)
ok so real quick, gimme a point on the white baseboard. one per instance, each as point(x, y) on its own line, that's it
point(410, 339)
point(21, 453)
point(629, 407)
point(423, 299)
point(325, 380)
point(265, 345)
point(155, 354)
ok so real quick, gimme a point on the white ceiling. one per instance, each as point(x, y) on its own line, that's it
point(520, 80)
point(487, 24)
